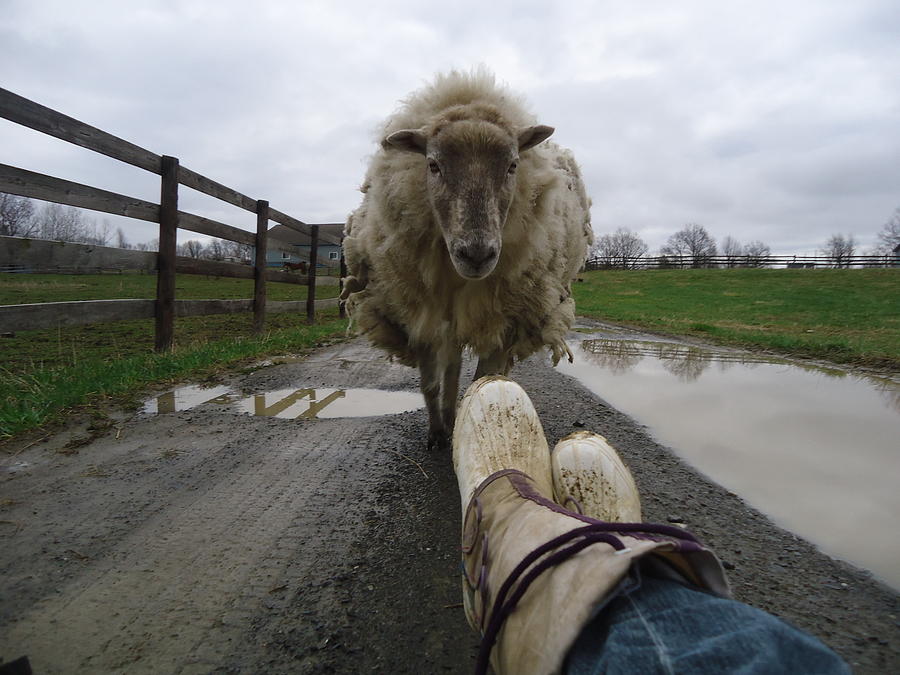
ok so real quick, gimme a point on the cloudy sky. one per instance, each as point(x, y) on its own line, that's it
point(770, 120)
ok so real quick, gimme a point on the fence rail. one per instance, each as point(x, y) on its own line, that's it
point(694, 262)
point(165, 263)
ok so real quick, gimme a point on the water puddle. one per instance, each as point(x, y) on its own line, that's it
point(815, 449)
point(329, 403)
point(308, 403)
point(183, 398)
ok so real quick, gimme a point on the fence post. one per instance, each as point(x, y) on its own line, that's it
point(259, 267)
point(342, 306)
point(165, 265)
point(311, 275)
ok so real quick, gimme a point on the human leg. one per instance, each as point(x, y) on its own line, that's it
point(663, 625)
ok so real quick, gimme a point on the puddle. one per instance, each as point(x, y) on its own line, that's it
point(308, 403)
point(183, 398)
point(815, 449)
point(329, 403)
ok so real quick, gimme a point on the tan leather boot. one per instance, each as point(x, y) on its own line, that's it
point(590, 478)
point(533, 572)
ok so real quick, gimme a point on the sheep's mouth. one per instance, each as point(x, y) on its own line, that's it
point(474, 272)
point(474, 258)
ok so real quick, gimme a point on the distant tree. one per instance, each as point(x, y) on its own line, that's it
point(215, 250)
point(732, 249)
point(692, 241)
point(101, 234)
point(60, 223)
point(889, 236)
point(16, 216)
point(121, 240)
point(840, 248)
point(191, 248)
point(757, 252)
point(623, 248)
point(235, 249)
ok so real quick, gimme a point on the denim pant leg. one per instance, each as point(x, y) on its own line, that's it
point(665, 627)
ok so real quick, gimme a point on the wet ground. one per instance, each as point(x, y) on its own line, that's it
point(815, 447)
point(208, 539)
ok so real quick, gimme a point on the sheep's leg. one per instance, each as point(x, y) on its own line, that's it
point(430, 384)
point(450, 392)
point(496, 363)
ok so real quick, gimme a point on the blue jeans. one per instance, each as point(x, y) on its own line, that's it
point(662, 626)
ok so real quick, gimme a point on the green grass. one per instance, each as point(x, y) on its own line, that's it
point(850, 316)
point(47, 374)
point(18, 289)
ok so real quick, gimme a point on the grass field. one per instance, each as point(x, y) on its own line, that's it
point(18, 289)
point(44, 374)
point(850, 316)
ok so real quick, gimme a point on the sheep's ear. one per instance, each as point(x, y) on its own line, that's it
point(531, 136)
point(410, 140)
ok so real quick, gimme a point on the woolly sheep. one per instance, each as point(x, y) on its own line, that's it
point(468, 237)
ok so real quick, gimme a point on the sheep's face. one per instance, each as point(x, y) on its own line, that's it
point(470, 173)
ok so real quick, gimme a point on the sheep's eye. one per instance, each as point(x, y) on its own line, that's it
point(512, 168)
point(434, 168)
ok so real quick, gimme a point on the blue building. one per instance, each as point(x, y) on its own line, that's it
point(329, 258)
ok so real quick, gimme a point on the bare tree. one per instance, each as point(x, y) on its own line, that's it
point(692, 241)
point(732, 249)
point(121, 239)
point(191, 248)
point(840, 248)
point(103, 233)
point(60, 223)
point(16, 216)
point(757, 252)
point(623, 248)
point(215, 250)
point(235, 249)
point(889, 236)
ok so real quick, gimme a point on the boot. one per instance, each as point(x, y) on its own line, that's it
point(533, 572)
point(591, 479)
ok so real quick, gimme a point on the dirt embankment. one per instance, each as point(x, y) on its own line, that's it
point(208, 541)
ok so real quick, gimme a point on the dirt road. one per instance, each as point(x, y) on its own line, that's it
point(213, 541)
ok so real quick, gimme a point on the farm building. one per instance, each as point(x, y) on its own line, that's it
point(329, 254)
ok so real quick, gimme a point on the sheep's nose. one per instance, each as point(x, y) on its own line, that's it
point(476, 255)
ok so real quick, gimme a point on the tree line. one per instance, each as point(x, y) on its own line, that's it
point(21, 217)
point(626, 249)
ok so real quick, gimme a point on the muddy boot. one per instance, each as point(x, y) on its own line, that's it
point(590, 478)
point(533, 572)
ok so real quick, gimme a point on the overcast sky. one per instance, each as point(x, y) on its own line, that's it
point(770, 120)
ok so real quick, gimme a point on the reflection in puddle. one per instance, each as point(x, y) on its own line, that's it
point(293, 403)
point(816, 449)
point(183, 398)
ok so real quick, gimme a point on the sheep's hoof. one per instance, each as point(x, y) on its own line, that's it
point(438, 441)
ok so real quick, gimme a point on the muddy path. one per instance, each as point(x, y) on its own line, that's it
point(209, 541)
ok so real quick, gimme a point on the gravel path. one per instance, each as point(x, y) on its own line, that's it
point(205, 541)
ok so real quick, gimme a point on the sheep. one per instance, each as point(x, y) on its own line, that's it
point(469, 234)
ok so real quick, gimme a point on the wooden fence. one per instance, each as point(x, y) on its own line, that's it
point(720, 261)
point(165, 263)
